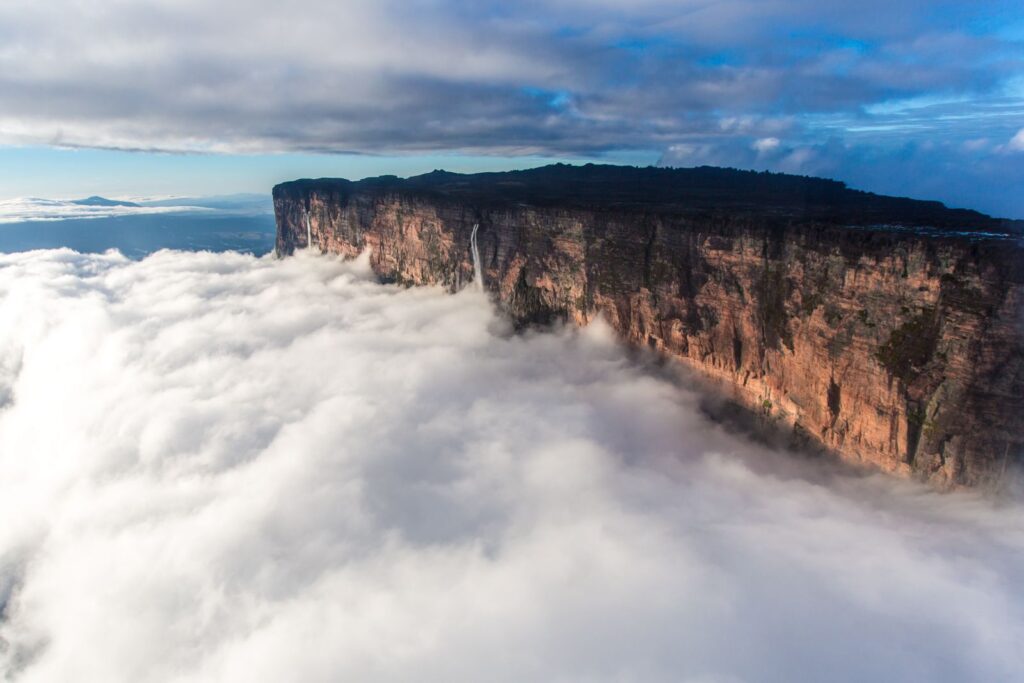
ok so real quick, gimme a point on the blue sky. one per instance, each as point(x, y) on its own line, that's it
point(154, 97)
point(42, 171)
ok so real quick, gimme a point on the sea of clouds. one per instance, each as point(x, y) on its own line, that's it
point(218, 467)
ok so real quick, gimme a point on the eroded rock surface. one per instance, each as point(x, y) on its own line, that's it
point(888, 330)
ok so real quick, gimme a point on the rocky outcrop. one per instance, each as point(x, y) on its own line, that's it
point(888, 330)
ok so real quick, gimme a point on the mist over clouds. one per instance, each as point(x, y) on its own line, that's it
point(217, 467)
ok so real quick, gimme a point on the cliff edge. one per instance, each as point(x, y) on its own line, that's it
point(887, 330)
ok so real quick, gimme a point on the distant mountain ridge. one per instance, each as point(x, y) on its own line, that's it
point(237, 203)
point(33, 209)
point(96, 200)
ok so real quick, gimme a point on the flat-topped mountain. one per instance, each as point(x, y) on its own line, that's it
point(889, 331)
point(684, 190)
point(96, 200)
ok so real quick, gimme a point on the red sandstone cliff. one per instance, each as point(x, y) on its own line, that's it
point(887, 330)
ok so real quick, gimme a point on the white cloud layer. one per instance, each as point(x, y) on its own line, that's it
point(24, 209)
point(1016, 143)
point(214, 467)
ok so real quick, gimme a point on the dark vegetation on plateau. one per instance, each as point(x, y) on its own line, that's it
point(703, 190)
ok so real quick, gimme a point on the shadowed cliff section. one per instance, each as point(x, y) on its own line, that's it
point(888, 330)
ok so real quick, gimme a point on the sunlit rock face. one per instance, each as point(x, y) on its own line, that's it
point(889, 331)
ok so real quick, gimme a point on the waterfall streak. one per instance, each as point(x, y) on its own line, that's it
point(478, 274)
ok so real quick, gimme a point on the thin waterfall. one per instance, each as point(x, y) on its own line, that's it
point(478, 273)
point(309, 233)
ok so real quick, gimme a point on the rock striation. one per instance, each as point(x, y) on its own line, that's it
point(887, 330)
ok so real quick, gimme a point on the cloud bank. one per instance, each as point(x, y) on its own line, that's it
point(562, 78)
point(28, 209)
point(569, 76)
point(216, 467)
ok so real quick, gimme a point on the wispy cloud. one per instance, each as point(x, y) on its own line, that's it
point(1016, 143)
point(28, 209)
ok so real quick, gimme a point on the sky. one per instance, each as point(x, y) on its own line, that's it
point(222, 468)
point(159, 97)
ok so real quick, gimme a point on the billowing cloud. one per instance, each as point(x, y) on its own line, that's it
point(215, 467)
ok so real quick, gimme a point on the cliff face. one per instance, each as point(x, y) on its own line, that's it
point(887, 330)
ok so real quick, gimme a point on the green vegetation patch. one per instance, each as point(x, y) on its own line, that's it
point(910, 346)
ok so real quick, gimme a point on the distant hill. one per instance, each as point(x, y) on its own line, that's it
point(96, 200)
point(235, 203)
